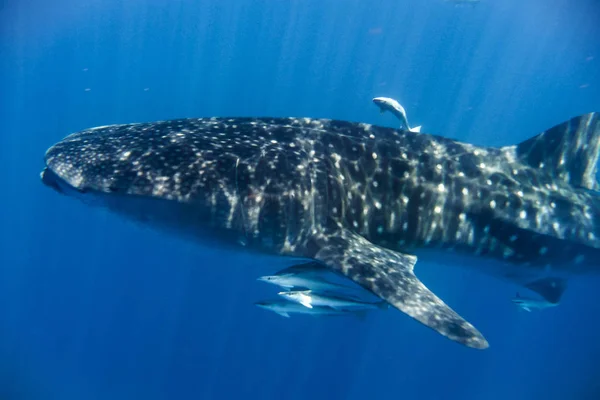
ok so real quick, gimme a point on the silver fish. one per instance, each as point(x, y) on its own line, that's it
point(308, 276)
point(285, 308)
point(391, 105)
point(528, 304)
point(310, 299)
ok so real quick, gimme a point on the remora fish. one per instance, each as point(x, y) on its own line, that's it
point(310, 299)
point(308, 276)
point(362, 200)
point(391, 105)
point(285, 308)
point(528, 304)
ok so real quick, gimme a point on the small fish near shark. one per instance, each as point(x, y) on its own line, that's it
point(310, 299)
point(528, 303)
point(362, 200)
point(285, 308)
point(309, 285)
point(391, 105)
point(306, 276)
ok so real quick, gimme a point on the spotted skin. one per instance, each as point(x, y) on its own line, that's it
point(362, 200)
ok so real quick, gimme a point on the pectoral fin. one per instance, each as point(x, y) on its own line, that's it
point(306, 303)
point(389, 275)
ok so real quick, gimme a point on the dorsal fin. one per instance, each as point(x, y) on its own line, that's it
point(568, 151)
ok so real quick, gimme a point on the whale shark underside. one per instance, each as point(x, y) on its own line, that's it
point(364, 201)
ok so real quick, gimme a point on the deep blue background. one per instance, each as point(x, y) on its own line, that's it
point(94, 307)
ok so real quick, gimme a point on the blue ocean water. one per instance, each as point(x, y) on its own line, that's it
point(95, 307)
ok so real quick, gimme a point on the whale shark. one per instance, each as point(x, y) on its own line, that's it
point(362, 200)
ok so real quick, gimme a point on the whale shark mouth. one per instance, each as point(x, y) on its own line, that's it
point(51, 180)
point(58, 184)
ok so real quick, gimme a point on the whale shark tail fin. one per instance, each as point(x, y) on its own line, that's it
point(568, 151)
point(416, 129)
point(389, 275)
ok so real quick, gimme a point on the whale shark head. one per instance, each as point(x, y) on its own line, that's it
point(155, 173)
point(241, 176)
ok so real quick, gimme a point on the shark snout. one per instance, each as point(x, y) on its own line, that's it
point(50, 179)
point(267, 278)
point(60, 185)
